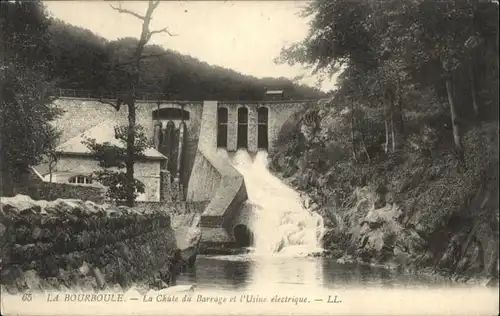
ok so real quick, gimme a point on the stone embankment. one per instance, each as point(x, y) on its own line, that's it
point(82, 245)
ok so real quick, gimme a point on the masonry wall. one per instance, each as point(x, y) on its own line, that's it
point(229, 195)
point(173, 207)
point(68, 244)
point(204, 181)
point(30, 184)
point(215, 179)
point(205, 177)
point(279, 113)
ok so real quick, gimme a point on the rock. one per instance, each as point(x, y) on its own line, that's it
point(32, 280)
point(84, 269)
point(189, 256)
point(20, 204)
point(101, 282)
point(51, 283)
point(87, 283)
point(36, 233)
point(492, 282)
point(3, 230)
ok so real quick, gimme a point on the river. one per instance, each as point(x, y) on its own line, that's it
point(247, 272)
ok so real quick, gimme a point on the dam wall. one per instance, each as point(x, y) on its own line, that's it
point(214, 179)
point(258, 117)
point(205, 176)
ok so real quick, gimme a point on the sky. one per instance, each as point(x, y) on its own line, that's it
point(241, 35)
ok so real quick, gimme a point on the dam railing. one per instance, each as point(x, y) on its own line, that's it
point(152, 97)
point(89, 94)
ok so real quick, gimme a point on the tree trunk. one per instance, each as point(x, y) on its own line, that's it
point(387, 118)
point(130, 153)
point(393, 135)
point(386, 145)
point(475, 103)
point(396, 116)
point(7, 182)
point(399, 109)
point(353, 145)
point(457, 139)
point(363, 144)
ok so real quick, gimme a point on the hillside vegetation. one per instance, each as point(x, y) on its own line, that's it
point(402, 162)
point(84, 61)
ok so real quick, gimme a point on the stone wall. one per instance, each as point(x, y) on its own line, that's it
point(146, 171)
point(53, 191)
point(173, 207)
point(204, 181)
point(75, 244)
point(229, 195)
point(279, 113)
point(213, 179)
point(30, 184)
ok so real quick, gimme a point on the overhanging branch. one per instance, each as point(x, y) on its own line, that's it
point(163, 30)
point(121, 10)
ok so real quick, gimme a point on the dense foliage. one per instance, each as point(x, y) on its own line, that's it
point(25, 110)
point(416, 74)
point(100, 66)
point(415, 115)
point(112, 158)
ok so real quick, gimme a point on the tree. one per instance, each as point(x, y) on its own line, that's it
point(26, 111)
point(391, 46)
point(129, 95)
point(113, 157)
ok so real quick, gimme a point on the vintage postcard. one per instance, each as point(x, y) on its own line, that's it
point(322, 157)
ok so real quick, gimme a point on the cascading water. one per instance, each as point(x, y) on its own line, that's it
point(279, 222)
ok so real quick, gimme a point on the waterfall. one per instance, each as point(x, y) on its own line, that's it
point(280, 222)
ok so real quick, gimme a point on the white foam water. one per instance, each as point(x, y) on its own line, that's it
point(280, 222)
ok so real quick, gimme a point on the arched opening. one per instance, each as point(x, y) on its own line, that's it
point(170, 114)
point(222, 127)
point(242, 128)
point(262, 121)
point(243, 236)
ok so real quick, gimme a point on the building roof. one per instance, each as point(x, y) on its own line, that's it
point(103, 132)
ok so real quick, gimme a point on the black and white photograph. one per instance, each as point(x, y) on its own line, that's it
point(319, 157)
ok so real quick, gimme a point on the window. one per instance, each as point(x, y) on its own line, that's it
point(80, 179)
point(222, 127)
point(242, 127)
point(262, 118)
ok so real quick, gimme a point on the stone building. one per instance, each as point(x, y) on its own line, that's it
point(75, 163)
